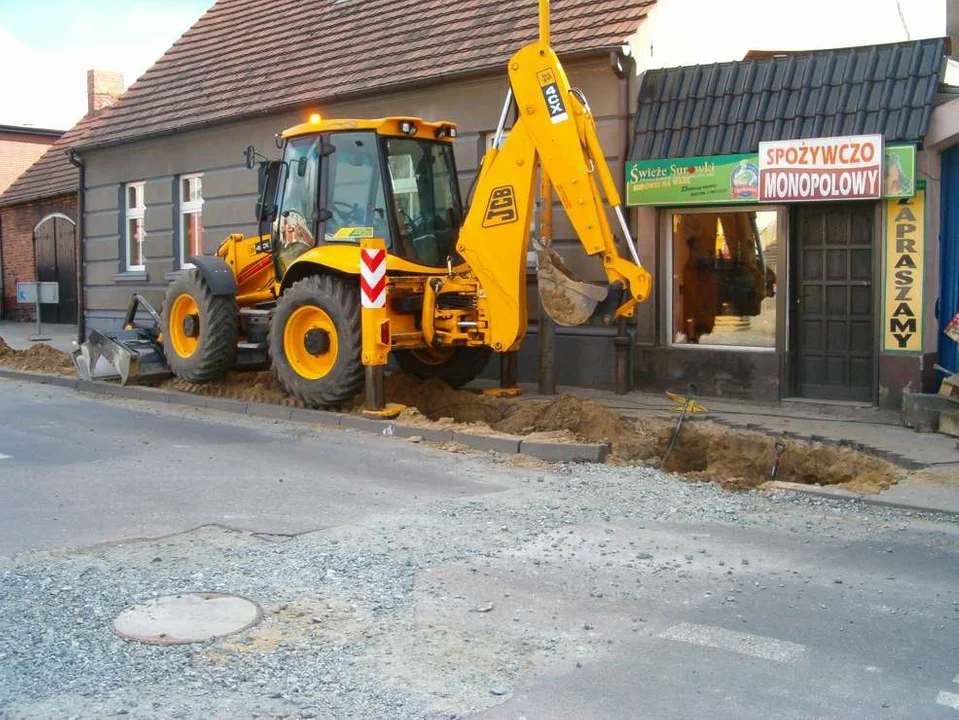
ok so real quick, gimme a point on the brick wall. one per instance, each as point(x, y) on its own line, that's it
point(17, 154)
point(16, 241)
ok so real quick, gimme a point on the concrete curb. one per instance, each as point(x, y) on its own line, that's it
point(899, 460)
point(436, 435)
point(865, 498)
point(504, 444)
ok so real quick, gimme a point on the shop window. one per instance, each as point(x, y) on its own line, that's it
point(191, 218)
point(725, 267)
point(134, 233)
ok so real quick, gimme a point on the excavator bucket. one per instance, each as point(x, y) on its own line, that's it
point(135, 352)
point(566, 299)
point(125, 354)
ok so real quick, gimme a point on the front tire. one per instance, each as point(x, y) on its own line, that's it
point(316, 341)
point(455, 366)
point(199, 329)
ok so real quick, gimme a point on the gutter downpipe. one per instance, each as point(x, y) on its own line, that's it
point(81, 254)
point(623, 340)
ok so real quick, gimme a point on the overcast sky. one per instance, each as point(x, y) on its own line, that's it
point(47, 46)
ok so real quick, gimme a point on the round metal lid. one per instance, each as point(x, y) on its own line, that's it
point(187, 618)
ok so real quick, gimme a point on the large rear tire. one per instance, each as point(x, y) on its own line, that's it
point(455, 366)
point(316, 341)
point(200, 329)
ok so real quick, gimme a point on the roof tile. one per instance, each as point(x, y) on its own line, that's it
point(247, 57)
point(729, 108)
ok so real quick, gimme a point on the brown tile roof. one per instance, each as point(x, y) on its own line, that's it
point(52, 174)
point(250, 57)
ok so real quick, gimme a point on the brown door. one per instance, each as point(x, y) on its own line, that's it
point(833, 339)
point(56, 262)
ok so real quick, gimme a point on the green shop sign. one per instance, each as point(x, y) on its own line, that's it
point(729, 179)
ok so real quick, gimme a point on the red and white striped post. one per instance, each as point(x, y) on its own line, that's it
point(375, 323)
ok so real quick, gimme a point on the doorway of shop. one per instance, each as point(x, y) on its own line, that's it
point(833, 345)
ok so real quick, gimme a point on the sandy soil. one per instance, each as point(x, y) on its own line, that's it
point(39, 358)
point(705, 450)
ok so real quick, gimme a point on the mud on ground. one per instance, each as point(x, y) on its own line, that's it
point(39, 358)
point(704, 451)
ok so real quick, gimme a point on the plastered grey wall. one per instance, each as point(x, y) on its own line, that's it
point(229, 189)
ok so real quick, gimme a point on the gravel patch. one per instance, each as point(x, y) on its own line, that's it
point(435, 612)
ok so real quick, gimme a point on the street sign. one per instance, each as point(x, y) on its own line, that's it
point(47, 293)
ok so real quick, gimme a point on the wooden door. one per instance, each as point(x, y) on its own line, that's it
point(833, 333)
point(57, 262)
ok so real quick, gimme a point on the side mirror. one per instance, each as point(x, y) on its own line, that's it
point(250, 155)
point(301, 166)
point(268, 180)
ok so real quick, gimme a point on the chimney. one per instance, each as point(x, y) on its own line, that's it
point(104, 87)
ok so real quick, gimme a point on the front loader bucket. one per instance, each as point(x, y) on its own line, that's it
point(567, 300)
point(125, 354)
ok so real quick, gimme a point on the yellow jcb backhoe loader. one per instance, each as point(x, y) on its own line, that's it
point(455, 285)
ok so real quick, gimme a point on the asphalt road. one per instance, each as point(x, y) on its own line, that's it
point(75, 471)
point(510, 592)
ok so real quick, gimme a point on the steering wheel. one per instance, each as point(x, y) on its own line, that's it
point(416, 225)
point(350, 214)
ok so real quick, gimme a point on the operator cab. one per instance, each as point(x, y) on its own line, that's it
point(341, 181)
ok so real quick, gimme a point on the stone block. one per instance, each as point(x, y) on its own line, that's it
point(153, 394)
point(188, 399)
point(93, 386)
point(269, 410)
point(436, 435)
point(356, 422)
point(18, 375)
point(59, 380)
point(505, 444)
point(322, 417)
point(227, 405)
point(949, 422)
point(920, 411)
point(565, 452)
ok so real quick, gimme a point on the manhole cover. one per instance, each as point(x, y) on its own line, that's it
point(187, 618)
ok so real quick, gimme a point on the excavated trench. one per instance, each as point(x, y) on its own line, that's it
point(705, 450)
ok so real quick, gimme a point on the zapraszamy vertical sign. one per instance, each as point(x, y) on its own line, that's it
point(902, 273)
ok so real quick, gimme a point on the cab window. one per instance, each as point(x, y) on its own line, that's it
point(355, 192)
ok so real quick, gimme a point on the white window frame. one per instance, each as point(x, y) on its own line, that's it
point(189, 206)
point(137, 212)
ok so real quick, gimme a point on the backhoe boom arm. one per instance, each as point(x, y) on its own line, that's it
point(555, 126)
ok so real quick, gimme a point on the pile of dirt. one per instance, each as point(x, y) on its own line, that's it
point(261, 387)
point(39, 358)
point(438, 401)
point(588, 421)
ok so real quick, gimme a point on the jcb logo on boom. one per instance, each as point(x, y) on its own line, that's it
point(501, 209)
point(554, 101)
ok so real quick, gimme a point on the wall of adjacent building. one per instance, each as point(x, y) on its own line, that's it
point(18, 251)
point(17, 153)
point(229, 189)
